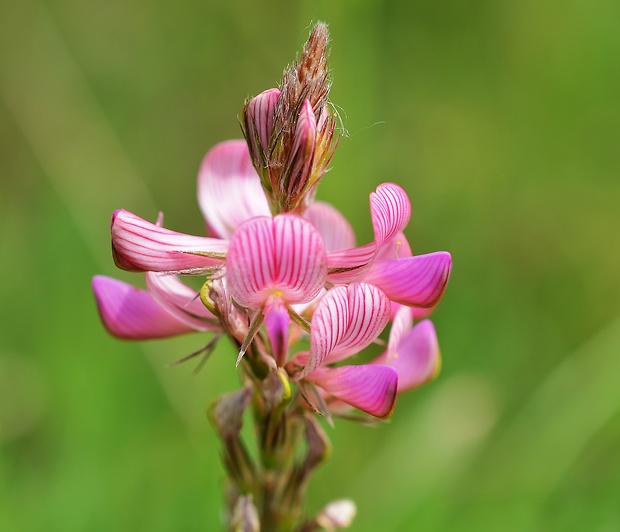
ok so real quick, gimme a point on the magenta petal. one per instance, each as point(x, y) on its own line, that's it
point(414, 281)
point(131, 313)
point(335, 229)
point(371, 388)
point(277, 322)
point(282, 256)
point(346, 320)
point(229, 189)
point(390, 210)
point(416, 357)
point(181, 301)
point(138, 245)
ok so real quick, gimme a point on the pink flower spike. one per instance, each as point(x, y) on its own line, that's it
point(282, 256)
point(370, 387)
point(413, 281)
point(335, 229)
point(346, 320)
point(259, 113)
point(131, 313)
point(277, 321)
point(229, 189)
point(138, 245)
point(181, 301)
point(416, 358)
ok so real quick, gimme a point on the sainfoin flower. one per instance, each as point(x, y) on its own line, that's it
point(284, 280)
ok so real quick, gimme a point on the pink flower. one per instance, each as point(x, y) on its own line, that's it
point(416, 281)
point(413, 351)
point(347, 320)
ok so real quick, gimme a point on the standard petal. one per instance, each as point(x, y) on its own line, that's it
point(335, 229)
point(369, 313)
point(390, 210)
point(282, 256)
point(370, 387)
point(416, 358)
point(413, 281)
point(181, 301)
point(138, 245)
point(229, 189)
point(346, 320)
point(131, 313)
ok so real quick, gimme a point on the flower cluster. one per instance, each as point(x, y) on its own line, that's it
point(283, 270)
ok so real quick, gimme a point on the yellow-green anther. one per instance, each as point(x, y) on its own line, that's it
point(206, 300)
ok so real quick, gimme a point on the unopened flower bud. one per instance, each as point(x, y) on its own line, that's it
point(245, 516)
point(290, 131)
point(226, 416)
point(336, 515)
point(226, 412)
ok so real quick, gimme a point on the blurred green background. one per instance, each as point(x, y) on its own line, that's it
point(501, 120)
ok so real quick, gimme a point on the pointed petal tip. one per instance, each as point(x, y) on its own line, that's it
point(130, 313)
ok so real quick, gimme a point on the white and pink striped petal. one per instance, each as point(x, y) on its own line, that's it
point(138, 245)
point(229, 189)
point(131, 313)
point(371, 388)
point(390, 210)
point(280, 257)
point(346, 320)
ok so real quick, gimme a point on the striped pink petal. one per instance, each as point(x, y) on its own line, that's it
point(370, 387)
point(282, 256)
point(335, 229)
point(131, 313)
point(347, 320)
point(259, 114)
point(414, 281)
point(229, 189)
point(181, 301)
point(416, 357)
point(138, 245)
point(390, 210)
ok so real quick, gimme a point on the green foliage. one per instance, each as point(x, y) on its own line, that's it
point(499, 119)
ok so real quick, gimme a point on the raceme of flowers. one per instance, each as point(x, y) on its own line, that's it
point(274, 279)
